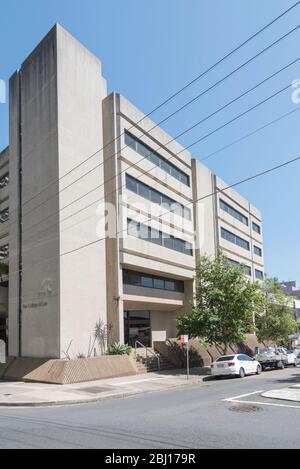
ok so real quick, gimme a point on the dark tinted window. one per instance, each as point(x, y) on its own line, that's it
point(146, 281)
point(233, 212)
point(256, 228)
point(155, 158)
point(258, 251)
point(225, 358)
point(130, 277)
point(157, 197)
point(244, 358)
point(152, 235)
point(159, 283)
point(247, 268)
point(232, 238)
point(259, 274)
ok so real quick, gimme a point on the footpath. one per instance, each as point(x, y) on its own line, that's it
point(290, 393)
point(20, 394)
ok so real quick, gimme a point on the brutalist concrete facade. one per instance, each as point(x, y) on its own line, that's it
point(76, 190)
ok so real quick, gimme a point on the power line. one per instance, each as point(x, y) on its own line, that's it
point(250, 178)
point(250, 134)
point(208, 156)
point(239, 116)
point(174, 95)
point(176, 154)
point(181, 90)
point(160, 146)
point(164, 120)
point(211, 194)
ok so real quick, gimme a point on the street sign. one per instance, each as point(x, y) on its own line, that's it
point(184, 339)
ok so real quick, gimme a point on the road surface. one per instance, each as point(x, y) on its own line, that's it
point(212, 415)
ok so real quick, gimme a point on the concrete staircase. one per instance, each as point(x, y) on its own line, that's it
point(150, 363)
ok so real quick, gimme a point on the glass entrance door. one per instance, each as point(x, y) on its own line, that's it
point(137, 327)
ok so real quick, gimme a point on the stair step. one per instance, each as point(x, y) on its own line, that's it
point(150, 363)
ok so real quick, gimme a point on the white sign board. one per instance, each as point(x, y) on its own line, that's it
point(184, 339)
point(2, 351)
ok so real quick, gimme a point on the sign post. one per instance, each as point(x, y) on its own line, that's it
point(184, 340)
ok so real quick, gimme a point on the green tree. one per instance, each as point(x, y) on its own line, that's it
point(276, 323)
point(225, 303)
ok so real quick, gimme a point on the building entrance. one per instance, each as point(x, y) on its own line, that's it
point(137, 327)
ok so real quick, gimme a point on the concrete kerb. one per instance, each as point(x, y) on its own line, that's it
point(109, 396)
point(291, 393)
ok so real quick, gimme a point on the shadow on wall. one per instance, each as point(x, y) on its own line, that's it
point(200, 356)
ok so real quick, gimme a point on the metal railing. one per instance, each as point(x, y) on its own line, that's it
point(147, 350)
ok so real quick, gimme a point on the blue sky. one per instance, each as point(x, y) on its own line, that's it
point(149, 49)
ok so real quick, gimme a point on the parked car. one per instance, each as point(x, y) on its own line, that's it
point(292, 358)
point(271, 357)
point(235, 365)
point(296, 352)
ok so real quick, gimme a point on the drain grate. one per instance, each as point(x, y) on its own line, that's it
point(245, 408)
point(95, 390)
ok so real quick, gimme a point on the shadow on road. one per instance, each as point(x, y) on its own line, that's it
point(294, 379)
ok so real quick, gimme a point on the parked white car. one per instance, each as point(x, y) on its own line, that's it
point(235, 365)
point(296, 352)
point(292, 358)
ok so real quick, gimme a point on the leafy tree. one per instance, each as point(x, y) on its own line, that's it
point(276, 323)
point(225, 303)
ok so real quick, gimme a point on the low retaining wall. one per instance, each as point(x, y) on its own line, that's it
point(173, 351)
point(67, 371)
point(200, 356)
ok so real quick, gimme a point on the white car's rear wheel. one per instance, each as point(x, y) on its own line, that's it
point(242, 373)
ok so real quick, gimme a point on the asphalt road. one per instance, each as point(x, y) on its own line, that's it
point(194, 417)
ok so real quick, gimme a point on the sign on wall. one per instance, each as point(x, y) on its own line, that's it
point(2, 351)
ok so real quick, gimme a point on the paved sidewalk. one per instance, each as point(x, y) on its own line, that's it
point(19, 394)
point(291, 393)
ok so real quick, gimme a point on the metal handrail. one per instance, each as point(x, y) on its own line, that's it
point(156, 355)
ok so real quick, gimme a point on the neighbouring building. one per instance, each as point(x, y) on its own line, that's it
point(291, 288)
point(103, 215)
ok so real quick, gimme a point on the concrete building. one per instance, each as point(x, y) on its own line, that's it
point(291, 288)
point(227, 221)
point(4, 242)
point(104, 218)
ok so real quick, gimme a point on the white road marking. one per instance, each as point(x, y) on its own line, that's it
point(229, 399)
point(266, 403)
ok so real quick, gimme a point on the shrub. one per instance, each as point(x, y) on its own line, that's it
point(119, 349)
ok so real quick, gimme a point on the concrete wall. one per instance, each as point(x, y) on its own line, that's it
point(125, 251)
point(210, 219)
point(82, 273)
point(39, 197)
point(67, 371)
point(114, 284)
point(60, 114)
point(67, 138)
point(14, 207)
point(204, 210)
point(163, 325)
